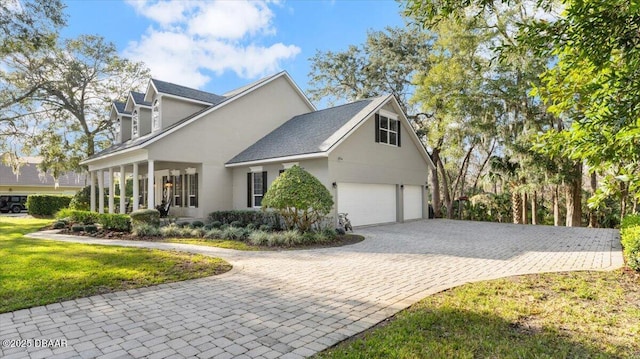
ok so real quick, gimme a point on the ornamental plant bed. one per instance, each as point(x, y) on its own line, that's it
point(340, 240)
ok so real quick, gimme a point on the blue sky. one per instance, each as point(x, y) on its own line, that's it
point(220, 45)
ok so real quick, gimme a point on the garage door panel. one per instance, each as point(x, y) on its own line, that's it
point(367, 203)
point(412, 202)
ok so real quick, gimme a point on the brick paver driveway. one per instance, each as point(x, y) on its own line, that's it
point(292, 304)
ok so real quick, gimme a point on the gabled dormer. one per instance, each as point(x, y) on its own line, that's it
point(122, 121)
point(171, 103)
point(140, 114)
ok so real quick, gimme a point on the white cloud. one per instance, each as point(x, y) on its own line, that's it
point(190, 37)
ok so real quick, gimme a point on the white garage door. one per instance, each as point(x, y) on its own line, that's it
point(367, 203)
point(412, 206)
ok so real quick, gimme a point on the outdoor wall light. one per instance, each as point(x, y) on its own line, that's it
point(334, 185)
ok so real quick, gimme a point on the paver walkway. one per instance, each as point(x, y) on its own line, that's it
point(292, 304)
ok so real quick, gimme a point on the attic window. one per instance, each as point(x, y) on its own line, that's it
point(134, 123)
point(387, 129)
point(155, 115)
point(118, 127)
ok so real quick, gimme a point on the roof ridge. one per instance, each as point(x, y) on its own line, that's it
point(184, 87)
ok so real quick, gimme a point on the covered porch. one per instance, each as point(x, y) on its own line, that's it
point(155, 182)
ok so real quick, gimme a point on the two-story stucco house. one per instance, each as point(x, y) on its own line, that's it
point(221, 152)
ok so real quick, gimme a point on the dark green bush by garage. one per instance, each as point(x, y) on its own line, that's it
point(46, 204)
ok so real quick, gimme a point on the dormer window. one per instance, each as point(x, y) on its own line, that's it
point(134, 123)
point(155, 115)
point(118, 128)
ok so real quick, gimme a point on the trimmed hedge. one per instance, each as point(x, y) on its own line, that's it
point(245, 217)
point(78, 216)
point(46, 204)
point(145, 216)
point(115, 222)
point(630, 239)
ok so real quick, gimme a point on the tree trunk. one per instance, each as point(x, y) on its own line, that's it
point(448, 202)
point(574, 199)
point(525, 207)
point(436, 200)
point(516, 205)
point(534, 208)
point(624, 193)
point(593, 218)
point(556, 206)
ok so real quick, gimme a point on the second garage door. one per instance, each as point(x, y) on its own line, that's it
point(412, 202)
point(367, 203)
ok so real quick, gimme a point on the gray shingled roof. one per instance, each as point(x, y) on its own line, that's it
point(303, 134)
point(186, 92)
point(138, 98)
point(31, 176)
point(120, 107)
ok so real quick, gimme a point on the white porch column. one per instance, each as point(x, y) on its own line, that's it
point(111, 190)
point(136, 188)
point(92, 194)
point(123, 193)
point(151, 193)
point(100, 191)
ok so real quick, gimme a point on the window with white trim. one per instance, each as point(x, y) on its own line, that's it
point(192, 190)
point(256, 188)
point(388, 130)
point(177, 190)
point(155, 115)
point(134, 123)
point(118, 128)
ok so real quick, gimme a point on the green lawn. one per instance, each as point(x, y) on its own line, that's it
point(37, 272)
point(565, 315)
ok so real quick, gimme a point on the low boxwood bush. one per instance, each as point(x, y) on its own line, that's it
point(77, 228)
point(245, 217)
point(145, 216)
point(90, 228)
point(46, 204)
point(237, 224)
point(197, 224)
point(630, 239)
point(115, 222)
point(59, 225)
point(216, 224)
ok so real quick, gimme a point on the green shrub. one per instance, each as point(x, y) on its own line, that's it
point(207, 227)
point(259, 238)
point(145, 216)
point(236, 224)
point(183, 224)
point(216, 224)
point(59, 225)
point(77, 228)
point(300, 198)
point(115, 222)
point(46, 204)
point(265, 227)
point(214, 233)
point(78, 216)
point(234, 233)
point(245, 216)
point(631, 220)
point(198, 232)
point(630, 239)
point(90, 228)
point(170, 231)
point(146, 230)
point(197, 224)
point(251, 226)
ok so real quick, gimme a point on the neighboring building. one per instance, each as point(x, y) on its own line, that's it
point(30, 180)
point(221, 152)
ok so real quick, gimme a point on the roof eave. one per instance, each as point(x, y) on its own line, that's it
point(306, 156)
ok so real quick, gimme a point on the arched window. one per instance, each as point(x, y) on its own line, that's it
point(155, 115)
point(134, 123)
